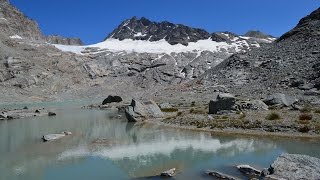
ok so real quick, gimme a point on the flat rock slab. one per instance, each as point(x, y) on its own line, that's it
point(249, 170)
point(21, 113)
point(220, 175)
point(52, 137)
point(295, 166)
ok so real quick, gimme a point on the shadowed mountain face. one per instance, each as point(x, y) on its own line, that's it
point(144, 29)
point(308, 27)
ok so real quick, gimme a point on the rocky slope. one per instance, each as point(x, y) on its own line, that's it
point(142, 58)
point(289, 65)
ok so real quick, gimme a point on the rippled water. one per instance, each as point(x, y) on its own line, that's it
point(105, 147)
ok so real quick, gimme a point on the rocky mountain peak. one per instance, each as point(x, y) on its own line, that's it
point(308, 27)
point(144, 29)
point(13, 23)
point(257, 34)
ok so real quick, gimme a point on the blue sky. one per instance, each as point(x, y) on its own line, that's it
point(93, 20)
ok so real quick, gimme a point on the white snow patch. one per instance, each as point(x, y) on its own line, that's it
point(157, 47)
point(139, 34)
point(15, 37)
point(245, 37)
point(3, 19)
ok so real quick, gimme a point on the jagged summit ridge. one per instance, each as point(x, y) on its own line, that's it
point(144, 29)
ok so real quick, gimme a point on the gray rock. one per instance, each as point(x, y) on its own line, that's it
point(52, 137)
point(223, 101)
point(138, 111)
point(168, 173)
point(295, 166)
point(312, 92)
point(165, 105)
point(249, 170)
point(220, 175)
point(280, 99)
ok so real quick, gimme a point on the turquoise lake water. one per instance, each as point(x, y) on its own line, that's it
point(105, 147)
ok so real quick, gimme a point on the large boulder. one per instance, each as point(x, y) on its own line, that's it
point(223, 101)
point(280, 99)
point(112, 99)
point(138, 111)
point(295, 166)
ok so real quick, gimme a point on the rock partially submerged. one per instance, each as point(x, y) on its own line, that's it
point(296, 166)
point(21, 113)
point(168, 173)
point(220, 175)
point(52, 137)
point(138, 111)
point(249, 170)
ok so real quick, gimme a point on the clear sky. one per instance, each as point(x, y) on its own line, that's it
point(93, 20)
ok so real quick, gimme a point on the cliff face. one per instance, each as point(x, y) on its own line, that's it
point(56, 39)
point(15, 23)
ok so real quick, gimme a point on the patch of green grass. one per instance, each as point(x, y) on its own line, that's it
point(197, 111)
point(305, 117)
point(273, 116)
point(169, 109)
point(225, 117)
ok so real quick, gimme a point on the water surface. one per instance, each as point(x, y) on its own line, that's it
point(104, 146)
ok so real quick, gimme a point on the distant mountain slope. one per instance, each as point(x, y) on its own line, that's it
point(290, 65)
point(144, 29)
point(15, 24)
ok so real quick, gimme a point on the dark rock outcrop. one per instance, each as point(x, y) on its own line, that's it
point(112, 99)
point(308, 27)
point(144, 29)
point(223, 102)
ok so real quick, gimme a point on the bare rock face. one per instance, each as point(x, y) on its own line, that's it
point(139, 111)
point(56, 39)
point(13, 22)
point(223, 102)
point(295, 166)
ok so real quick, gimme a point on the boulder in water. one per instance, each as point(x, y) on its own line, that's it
point(112, 99)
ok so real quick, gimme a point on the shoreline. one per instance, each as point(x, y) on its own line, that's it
point(240, 132)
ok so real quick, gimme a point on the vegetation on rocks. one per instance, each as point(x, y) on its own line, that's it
point(273, 116)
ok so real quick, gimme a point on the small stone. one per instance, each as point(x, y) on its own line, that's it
point(51, 114)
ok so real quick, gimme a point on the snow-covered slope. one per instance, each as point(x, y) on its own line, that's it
point(162, 46)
